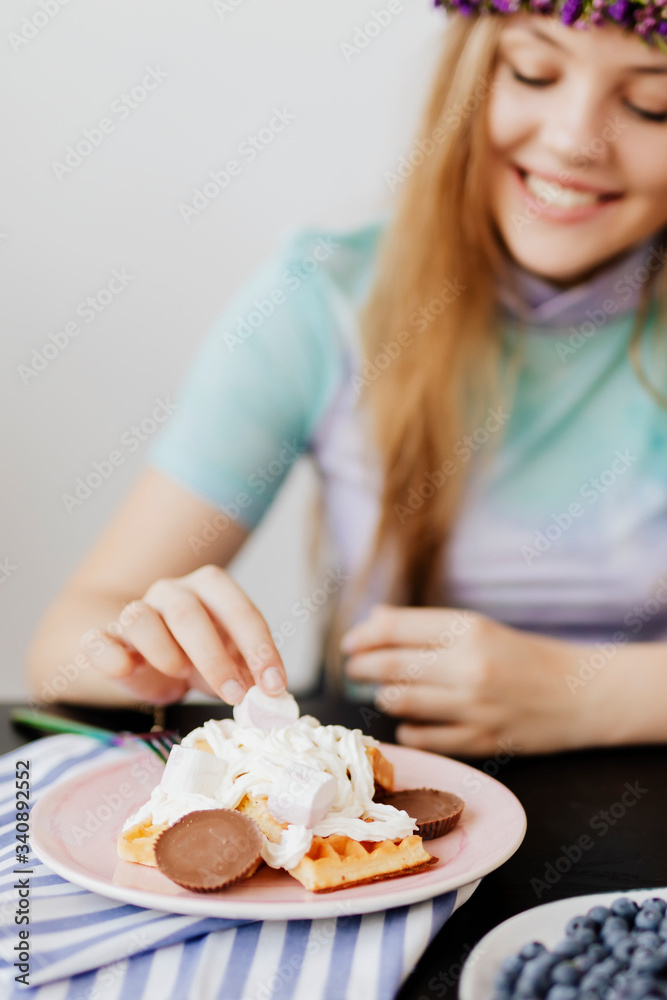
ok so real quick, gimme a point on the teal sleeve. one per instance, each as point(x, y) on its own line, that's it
point(256, 388)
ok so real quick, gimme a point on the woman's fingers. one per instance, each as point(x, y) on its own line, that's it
point(127, 668)
point(425, 701)
point(394, 626)
point(189, 623)
point(198, 626)
point(227, 602)
point(453, 740)
point(148, 633)
point(399, 665)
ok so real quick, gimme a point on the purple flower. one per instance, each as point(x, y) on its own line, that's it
point(619, 11)
point(571, 11)
point(506, 6)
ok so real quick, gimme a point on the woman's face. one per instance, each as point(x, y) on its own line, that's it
point(578, 147)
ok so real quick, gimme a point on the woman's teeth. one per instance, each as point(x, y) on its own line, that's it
point(553, 193)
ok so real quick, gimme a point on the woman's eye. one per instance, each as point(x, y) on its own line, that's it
point(651, 116)
point(531, 81)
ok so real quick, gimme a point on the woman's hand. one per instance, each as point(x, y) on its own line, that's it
point(469, 685)
point(199, 630)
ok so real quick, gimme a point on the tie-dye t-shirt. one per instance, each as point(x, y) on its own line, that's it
point(563, 531)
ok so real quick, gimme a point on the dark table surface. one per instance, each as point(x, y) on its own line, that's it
point(571, 800)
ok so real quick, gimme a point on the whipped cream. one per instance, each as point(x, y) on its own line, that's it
point(254, 760)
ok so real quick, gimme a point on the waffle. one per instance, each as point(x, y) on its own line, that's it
point(332, 862)
point(337, 862)
point(138, 843)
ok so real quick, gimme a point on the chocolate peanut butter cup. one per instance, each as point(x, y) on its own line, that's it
point(210, 849)
point(436, 812)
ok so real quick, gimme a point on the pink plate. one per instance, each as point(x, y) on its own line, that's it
point(76, 823)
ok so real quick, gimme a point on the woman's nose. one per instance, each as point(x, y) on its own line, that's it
point(574, 131)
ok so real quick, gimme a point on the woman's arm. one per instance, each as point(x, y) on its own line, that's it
point(158, 534)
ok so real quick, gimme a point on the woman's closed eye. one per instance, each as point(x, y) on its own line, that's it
point(651, 116)
point(531, 81)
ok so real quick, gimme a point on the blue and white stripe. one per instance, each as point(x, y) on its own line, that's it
point(86, 947)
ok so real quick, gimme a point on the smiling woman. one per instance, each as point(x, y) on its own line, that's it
point(470, 376)
point(578, 145)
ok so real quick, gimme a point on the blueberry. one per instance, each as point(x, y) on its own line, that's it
point(613, 926)
point(648, 939)
point(592, 980)
point(609, 967)
point(585, 935)
point(624, 907)
point(624, 948)
point(599, 914)
point(565, 973)
point(662, 930)
point(562, 992)
point(584, 962)
point(569, 948)
point(577, 924)
point(644, 960)
point(599, 951)
point(641, 959)
point(512, 966)
point(657, 903)
point(638, 987)
point(534, 977)
point(648, 920)
point(532, 950)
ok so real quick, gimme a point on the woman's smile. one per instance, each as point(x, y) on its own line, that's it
point(559, 202)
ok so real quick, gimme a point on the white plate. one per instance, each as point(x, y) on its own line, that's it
point(544, 923)
point(75, 825)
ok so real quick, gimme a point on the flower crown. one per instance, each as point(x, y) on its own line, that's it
point(646, 18)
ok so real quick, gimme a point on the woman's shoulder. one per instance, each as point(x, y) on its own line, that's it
point(341, 259)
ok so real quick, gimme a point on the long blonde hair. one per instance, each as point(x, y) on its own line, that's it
point(440, 251)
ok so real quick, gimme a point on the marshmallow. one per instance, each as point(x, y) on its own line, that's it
point(302, 795)
point(265, 711)
point(192, 772)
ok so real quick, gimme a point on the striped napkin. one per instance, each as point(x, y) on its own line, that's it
point(85, 947)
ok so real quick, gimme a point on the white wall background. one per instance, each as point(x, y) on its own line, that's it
point(227, 65)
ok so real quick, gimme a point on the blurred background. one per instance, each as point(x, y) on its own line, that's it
point(114, 112)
